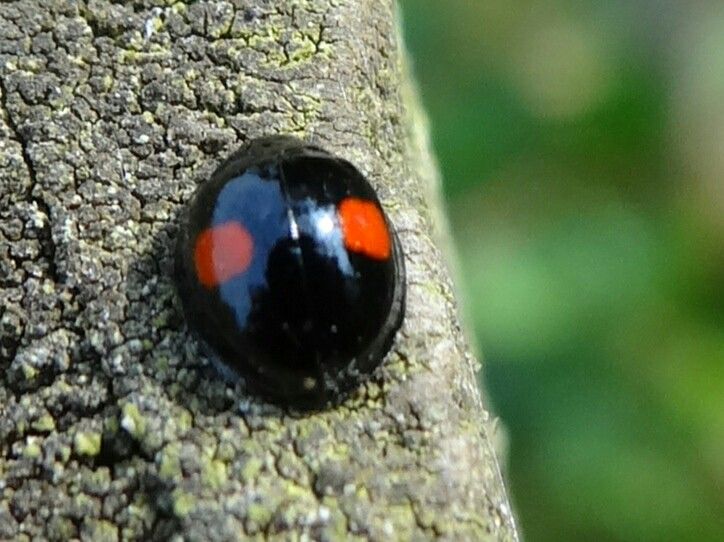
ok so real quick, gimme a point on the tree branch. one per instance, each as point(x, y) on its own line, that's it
point(112, 425)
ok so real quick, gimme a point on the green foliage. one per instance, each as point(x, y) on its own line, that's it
point(587, 202)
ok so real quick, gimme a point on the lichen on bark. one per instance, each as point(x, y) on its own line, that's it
point(112, 424)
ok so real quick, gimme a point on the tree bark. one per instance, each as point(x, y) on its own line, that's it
point(112, 424)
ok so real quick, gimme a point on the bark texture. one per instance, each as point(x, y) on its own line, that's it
point(112, 425)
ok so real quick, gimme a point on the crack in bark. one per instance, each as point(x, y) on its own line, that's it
point(45, 233)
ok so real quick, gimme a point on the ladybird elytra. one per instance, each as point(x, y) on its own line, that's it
point(364, 228)
point(222, 252)
point(289, 269)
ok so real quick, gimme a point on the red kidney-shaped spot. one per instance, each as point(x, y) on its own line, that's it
point(364, 228)
point(222, 252)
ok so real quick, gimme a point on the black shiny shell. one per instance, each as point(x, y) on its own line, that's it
point(289, 269)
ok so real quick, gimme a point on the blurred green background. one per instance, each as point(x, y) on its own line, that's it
point(582, 149)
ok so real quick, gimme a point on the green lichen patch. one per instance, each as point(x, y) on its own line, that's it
point(87, 443)
point(169, 465)
point(132, 421)
point(213, 473)
point(99, 530)
point(182, 502)
point(32, 449)
point(61, 528)
point(258, 516)
point(44, 424)
point(251, 469)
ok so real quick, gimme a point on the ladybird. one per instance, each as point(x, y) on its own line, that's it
point(289, 269)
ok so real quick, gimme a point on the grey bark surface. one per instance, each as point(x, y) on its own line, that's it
point(112, 424)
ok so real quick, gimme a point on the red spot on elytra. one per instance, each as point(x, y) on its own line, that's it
point(364, 228)
point(222, 252)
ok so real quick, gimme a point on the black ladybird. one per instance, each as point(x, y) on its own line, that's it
point(289, 269)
